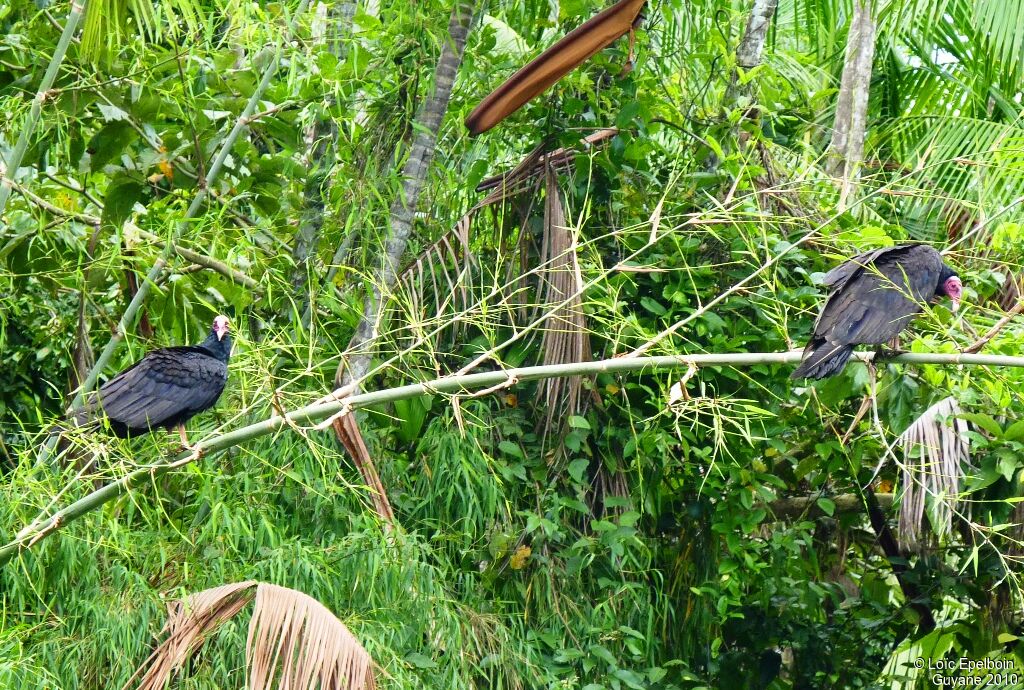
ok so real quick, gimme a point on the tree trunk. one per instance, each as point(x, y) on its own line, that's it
point(356, 363)
point(321, 138)
point(847, 148)
point(414, 176)
point(748, 53)
point(748, 56)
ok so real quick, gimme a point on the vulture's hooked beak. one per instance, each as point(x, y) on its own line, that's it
point(220, 327)
point(954, 289)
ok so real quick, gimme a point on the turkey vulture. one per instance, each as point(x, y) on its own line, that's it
point(165, 388)
point(873, 297)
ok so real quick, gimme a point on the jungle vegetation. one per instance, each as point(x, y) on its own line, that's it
point(304, 168)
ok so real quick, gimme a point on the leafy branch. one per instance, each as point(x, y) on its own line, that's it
point(9, 168)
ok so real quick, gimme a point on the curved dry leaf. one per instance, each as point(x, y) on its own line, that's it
point(189, 622)
point(294, 641)
point(935, 450)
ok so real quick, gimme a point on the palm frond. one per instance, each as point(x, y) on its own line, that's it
point(935, 450)
point(566, 338)
point(966, 161)
point(188, 622)
point(1002, 23)
point(294, 641)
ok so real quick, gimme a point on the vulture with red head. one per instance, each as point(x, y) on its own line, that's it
point(873, 297)
point(165, 388)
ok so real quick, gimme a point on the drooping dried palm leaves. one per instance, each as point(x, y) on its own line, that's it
point(294, 641)
point(347, 430)
point(440, 269)
point(188, 622)
point(935, 450)
point(566, 339)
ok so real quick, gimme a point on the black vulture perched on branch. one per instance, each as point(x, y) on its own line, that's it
point(873, 297)
point(165, 388)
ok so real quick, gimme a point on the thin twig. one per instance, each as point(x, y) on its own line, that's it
point(865, 405)
point(67, 184)
point(994, 331)
point(200, 259)
point(42, 203)
point(270, 111)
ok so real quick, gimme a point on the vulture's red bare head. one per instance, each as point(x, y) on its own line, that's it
point(954, 289)
point(220, 326)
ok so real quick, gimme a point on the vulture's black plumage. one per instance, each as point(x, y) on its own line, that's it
point(165, 388)
point(873, 297)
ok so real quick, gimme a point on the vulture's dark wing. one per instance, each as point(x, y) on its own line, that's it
point(841, 273)
point(164, 387)
point(872, 304)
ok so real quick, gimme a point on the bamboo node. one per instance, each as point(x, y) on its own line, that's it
point(346, 408)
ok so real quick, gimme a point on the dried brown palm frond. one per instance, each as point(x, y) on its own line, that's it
point(566, 339)
point(347, 430)
point(188, 622)
point(294, 641)
point(436, 279)
point(534, 165)
point(935, 450)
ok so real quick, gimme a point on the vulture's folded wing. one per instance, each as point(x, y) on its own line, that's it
point(164, 385)
point(873, 305)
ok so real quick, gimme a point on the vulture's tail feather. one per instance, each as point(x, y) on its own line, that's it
point(824, 360)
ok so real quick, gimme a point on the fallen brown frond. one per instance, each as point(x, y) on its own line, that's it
point(935, 450)
point(347, 430)
point(566, 339)
point(188, 622)
point(294, 641)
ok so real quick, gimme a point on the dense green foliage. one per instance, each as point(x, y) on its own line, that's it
point(604, 541)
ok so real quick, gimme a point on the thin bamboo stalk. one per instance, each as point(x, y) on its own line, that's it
point(9, 168)
point(457, 385)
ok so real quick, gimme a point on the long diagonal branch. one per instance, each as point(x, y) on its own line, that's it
point(452, 385)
